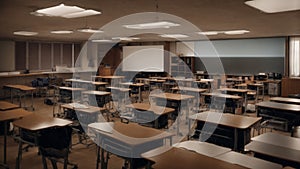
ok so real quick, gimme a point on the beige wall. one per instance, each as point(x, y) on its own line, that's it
point(7, 56)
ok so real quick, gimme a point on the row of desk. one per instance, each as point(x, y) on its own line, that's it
point(286, 111)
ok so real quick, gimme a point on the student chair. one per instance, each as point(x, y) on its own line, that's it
point(134, 94)
point(296, 131)
point(54, 144)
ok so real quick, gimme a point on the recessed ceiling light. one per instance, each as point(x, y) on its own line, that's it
point(273, 6)
point(89, 30)
point(65, 11)
point(209, 33)
point(102, 40)
point(25, 33)
point(236, 32)
point(152, 25)
point(125, 38)
point(174, 36)
point(62, 32)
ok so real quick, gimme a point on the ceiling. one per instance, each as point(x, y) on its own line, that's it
point(206, 15)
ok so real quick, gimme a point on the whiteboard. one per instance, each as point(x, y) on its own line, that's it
point(143, 58)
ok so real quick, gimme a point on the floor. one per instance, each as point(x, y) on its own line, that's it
point(84, 156)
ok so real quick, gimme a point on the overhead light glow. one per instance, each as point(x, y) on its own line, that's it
point(274, 6)
point(65, 11)
point(125, 38)
point(236, 32)
point(25, 33)
point(152, 25)
point(174, 36)
point(89, 30)
point(62, 32)
point(209, 33)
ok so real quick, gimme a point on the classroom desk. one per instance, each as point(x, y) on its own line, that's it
point(21, 89)
point(156, 82)
point(218, 100)
point(158, 112)
point(73, 93)
point(180, 100)
point(231, 131)
point(235, 81)
point(126, 140)
point(297, 96)
point(32, 125)
point(109, 79)
point(189, 89)
point(276, 147)
point(92, 85)
point(120, 95)
point(259, 88)
point(178, 158)
point(239, 92)
point(287, 100)
point(161, 78)
point(7, 116)
point(97, 98)
point(204, 148)
point(193, 91)
point(241, 86)
point(85, 114)
point(288, 114)
point(184, 82)
point(7, 106)
point(247, 161)
point(204, 83)
point(139, 85)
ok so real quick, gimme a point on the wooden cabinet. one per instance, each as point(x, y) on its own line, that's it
point(105, 71)
point(183, 66)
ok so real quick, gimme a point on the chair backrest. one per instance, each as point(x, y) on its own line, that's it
point(57, 138)
point(296, 131)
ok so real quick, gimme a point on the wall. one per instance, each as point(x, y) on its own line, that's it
point(239, 56)
point(7, 57)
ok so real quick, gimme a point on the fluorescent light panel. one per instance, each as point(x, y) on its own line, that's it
point(152, 25)
point(65, 11)
point(230, 32)
point(209, 33)
point(84, 13)
point(60, 10)
point(102, 40)
point(236, 32)
point(174, 36)
point(25, 33)
point(89, 30)
point(125, 38)
point(274, 6)
point(62, 32)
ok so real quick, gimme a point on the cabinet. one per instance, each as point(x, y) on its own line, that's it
point(183, 66)
point(274, 88)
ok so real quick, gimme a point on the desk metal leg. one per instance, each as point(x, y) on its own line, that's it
point(18, 161)
point(32, 101)
point(98, 157)
point(103, 161)
point(11, 96)
point(140, 95)
point(235, 145)
point(5, 144)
